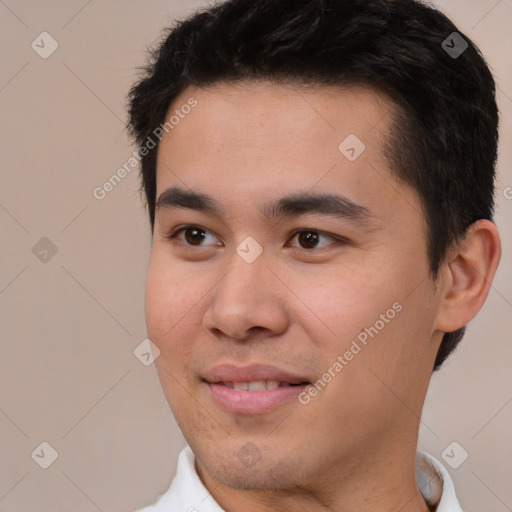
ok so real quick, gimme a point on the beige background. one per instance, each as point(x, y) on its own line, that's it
point(69, 325)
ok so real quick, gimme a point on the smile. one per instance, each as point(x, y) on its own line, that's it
point(254, 397)
point(257, 385)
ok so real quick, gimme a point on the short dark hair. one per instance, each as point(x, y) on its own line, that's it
point(444, 138)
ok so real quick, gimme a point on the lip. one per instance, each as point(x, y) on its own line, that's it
point(252, 402)
point(252, 372)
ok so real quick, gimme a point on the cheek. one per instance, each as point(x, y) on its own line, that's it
point(168, 300)
point(168, 316)
point(348, 300)
point(375, 313)
point(175, 302)
point(157, 300)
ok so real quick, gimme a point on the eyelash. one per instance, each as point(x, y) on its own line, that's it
point(339, 240)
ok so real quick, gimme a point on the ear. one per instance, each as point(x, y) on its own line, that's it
point(467, 276)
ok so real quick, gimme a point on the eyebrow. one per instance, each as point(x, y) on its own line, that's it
point(301, 203)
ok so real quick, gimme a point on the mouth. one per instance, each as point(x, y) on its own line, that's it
point(253, 389)
point(258, 385)
point(254, 397)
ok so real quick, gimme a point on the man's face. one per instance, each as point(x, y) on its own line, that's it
point(221, 312)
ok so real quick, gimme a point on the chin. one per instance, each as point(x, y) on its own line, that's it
point(272, 472)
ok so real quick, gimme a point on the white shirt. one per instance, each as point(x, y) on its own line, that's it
point(188, 494)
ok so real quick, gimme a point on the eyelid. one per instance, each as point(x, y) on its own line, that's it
point(179, 229)
point(335, 238)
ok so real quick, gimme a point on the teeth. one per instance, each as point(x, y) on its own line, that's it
point(257, 385)
point(272, 384)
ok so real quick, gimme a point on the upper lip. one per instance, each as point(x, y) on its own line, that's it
point(250, 373)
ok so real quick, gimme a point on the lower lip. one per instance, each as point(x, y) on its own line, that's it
point(253, 402)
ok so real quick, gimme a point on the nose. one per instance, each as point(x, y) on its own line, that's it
point(246, 302)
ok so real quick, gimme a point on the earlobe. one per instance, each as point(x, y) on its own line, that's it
point(469, 271)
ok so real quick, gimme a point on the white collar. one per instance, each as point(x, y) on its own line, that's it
point(188, 494)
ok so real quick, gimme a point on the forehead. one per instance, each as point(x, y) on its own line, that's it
point(253, 140)
point(264, 109)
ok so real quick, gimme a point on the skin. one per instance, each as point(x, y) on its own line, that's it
point(352, 447)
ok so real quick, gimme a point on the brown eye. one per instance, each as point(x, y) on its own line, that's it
point(309, 239)
point(193, 236)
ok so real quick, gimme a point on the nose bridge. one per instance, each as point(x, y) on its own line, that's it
point(244, 299)
point(244, 281)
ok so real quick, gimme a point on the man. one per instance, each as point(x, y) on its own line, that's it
point(319, 176)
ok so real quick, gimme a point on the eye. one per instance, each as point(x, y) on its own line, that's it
point(193, 235)
point(308, 238)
